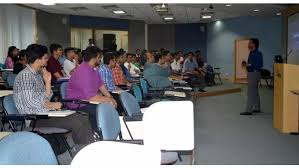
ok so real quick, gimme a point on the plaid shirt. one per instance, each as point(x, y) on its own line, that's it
point(106, 74)
point(118, 76)
point(30, 92)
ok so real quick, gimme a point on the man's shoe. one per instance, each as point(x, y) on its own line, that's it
point(257, 111)
point(246, 113)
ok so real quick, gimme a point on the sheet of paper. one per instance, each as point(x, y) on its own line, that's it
point(182, 87)
point(176, 94)
point(4, 93)
point(62, 113)
point(119, 91)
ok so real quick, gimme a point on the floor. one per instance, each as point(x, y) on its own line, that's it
point(224, 137)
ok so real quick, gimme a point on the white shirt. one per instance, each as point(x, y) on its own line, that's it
point(68, 66)
point(176, 65)
point(132, 70)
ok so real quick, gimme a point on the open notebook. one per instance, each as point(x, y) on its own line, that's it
point(174, 93)
point(60, 113)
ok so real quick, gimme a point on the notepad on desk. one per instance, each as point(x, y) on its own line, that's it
point(61, 113)
point(174, 93)
point(119, 91)
point(182, 87)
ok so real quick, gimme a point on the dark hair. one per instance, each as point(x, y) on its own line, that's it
point(108, 57)
point(157, 57)
point(90, 53)
point(22, 55)
point(130, 54)
point(118, 54)
point(165, 52)
point(10, 50)
point(34, 52)
point(197, 51)
point(190, 53)
point(69, 49)
point(54, 47)
point(256, 42)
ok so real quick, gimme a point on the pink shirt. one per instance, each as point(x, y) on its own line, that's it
point(8, 63)
point(84, 83)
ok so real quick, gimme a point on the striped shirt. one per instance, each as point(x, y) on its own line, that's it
point(107, 77)
point(30, 92)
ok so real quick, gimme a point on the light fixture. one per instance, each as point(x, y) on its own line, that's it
point(168, 18)
point(256, 10)
point(119, 12)
point(163, 5)
point(278, 14)
point(48, 3)
point(228, 5)
point(206, 16)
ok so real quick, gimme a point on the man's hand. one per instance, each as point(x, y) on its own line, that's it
point(46, 75)
point(54, 105)
point(112, 102)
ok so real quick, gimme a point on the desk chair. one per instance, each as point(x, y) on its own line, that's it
point(177, 134)
point(130, 104)
point(217, 73)
point(10, 80)
point(26, 148)
point(5, 74)
point(266, 75)
point(117, 154)
point(17, 123)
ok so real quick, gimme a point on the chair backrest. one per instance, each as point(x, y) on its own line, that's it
point(11, 79)
point(63, 88)
point(130, 104)
point(144, 86)
point(108, 121)
point(26, 148)
point(137, 92)
point(117, 154)
point(169, 125)
point(9, 105)
point(5, 75)
point(265, 73)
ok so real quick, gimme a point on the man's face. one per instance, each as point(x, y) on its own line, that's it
point(190, 56)
point(129, 58)
point(251, 46)
point(43, 61)
point(98, 59)
point(71, 55)
point(138, 52)
point(177, 57)
point(180, 54)
point(112, 63)
point(59, 52)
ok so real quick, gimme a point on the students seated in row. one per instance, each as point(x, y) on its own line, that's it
point(54, 66)
point(176, 65)
point(71, 62)
point(11, 57)
point(20, 63)
point(105, 70)
point(118, 75)
point(134, 71)
point(156, 74)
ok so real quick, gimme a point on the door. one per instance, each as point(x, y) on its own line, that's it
point(241, 56)
point(107, 41)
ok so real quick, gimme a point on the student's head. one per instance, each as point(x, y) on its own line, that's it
point(150, 56)
point(253, 44)
point(137, 51)
point(12, 51)
point(92, 55)
point(190, 56)
point(177, 56)
point(197, 53)
point(159, 58)
point(180, 53)
point(37, 55)
point(56, 50)
point(110, 59)
point(70, 53)
point(120, 58)
point(134, 58)
point(22, 57)
point(130, 57)
point(90, 41)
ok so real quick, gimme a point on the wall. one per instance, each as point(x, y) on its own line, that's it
point(191, 37)
point(221, 36)
point(136, 35)
point(161, 36)
point(53, 28)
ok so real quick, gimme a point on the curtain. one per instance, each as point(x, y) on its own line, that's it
point(17, 27)
point(79, 37)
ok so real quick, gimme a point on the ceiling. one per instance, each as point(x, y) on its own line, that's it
point(183, 13)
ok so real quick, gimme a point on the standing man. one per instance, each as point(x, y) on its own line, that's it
point(254, 65)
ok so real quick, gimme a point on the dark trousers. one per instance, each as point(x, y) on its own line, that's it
point(82, 126)
point(253, 96)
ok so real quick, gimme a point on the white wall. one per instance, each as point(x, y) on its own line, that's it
point(121, 38)
point(17, 27)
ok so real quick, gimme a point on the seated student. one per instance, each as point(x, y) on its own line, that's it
point(54, 66)
point(86, 82)
point(11, 57)
point(20, 63)
point(134, 71)
point(117, 73)
point(71, 61)
point(168, 60)
point(176, 65)
point(32, 94)
point(124, 69)
point(156, 74)
point(199, 59)
point(135, 61)
point(150, 58)
point(105, 70)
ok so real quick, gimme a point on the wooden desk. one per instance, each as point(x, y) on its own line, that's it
point(296, 92)
point(4, 93)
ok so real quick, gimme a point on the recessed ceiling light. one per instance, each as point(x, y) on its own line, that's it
point(48, 3)
point(278, 14)
point(206, 16)
point(168, 18)
point(256, 10)
point(228, 5)
point(119, 12)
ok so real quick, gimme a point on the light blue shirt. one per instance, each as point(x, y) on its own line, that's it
point(189, 65)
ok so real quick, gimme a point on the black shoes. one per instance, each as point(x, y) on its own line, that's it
point(246, 113)
point(257, 111)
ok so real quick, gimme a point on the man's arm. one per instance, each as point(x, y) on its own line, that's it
point(47, 78)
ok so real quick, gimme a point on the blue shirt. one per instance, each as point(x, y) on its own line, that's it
point(189, 65)
point(126, 72)
point(255, 61)
point(156, 75)
point(106, 74)
point(61, 59)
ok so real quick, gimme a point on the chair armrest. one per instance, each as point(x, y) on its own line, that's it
point(133, 118)
point(22, 117)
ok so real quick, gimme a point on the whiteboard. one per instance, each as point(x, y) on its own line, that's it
point(293, 39)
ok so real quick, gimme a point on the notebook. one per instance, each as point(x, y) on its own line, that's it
point(60, 113)
point(119, 91)
point(174, 93)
